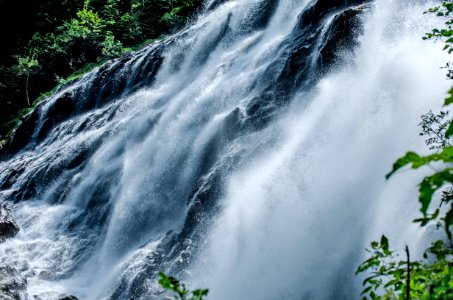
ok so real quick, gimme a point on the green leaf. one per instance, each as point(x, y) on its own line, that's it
point(370, 279)
point(366, 290)
point(199, 294)
point(392, 283)
point(449, 221)
point(430, 185)
point(165, 281)
point(448, 6)
point(449, 99)
point(417, 161)
point(174, 285)
point(410, 157)
point(384, 243)
point(449, 132)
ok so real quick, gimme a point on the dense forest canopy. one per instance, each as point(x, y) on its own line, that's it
point(66, 37)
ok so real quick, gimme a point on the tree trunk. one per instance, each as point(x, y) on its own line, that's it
point(408, 279)
point(26, 89)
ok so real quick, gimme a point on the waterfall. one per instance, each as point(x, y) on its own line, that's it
point(246, 154)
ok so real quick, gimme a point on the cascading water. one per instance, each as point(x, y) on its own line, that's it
point(245, 154)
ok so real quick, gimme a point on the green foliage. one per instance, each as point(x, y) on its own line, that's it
point(110, 47)
point(388, 275)
point(68, 35)
point(434, 129)
point(26, 65)
point(439, 131)
point(443, 34)
point(432, 278)
point(431, 184)
point(179, 289)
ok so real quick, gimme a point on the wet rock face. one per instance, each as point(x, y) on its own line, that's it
point(342, 34)
point(60, 111)
point(122, 76)
point(12, 284)
point(69, 298)
point(326, 28)
point(8, 227)
point(117, 77)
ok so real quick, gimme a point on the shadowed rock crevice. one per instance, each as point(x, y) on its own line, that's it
point(8, 227)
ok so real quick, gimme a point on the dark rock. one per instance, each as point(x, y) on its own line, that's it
point(262, 15)
point(309, 53)
point(115, 78)
point(9, 179)
point(323, 8)
point(23, 134)
point(12, 284)
point(61, 110)
point(215, 4)
point(341, 35)
point(8, 227)
point(69, 298)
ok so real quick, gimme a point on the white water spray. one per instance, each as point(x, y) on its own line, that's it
point(296, 215)
point(296, 220)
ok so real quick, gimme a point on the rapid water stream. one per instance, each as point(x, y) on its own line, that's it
point(246, 154)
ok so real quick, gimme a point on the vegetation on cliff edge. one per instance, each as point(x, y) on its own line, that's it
point(63, 39)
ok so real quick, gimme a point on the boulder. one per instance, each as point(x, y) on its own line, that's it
point(8, 227)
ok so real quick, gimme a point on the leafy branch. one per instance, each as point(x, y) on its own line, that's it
point(392, 278)
point(179, 289)
point(388, 276)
